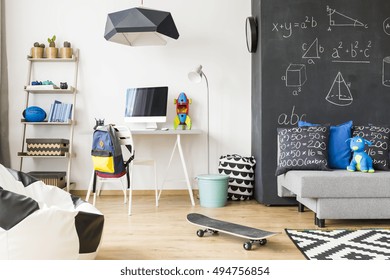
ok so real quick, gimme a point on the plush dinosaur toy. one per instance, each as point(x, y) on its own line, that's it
point(360, 159)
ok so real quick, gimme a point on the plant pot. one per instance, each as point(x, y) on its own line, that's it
point(51, 52)
point(66, 52)
point(37, 52)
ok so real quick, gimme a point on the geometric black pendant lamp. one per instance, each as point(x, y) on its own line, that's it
point(140, 27)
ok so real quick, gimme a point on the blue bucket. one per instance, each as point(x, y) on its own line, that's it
point(213, 190)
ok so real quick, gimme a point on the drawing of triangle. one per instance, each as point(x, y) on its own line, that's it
point(339, 93)
point(338, 19)
point(312, 51)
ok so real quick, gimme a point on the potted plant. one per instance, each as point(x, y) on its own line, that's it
point(66, 51)
point(37, 50)
point(52, 51)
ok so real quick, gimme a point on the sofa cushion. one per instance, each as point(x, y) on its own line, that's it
point(336, 183)
point(379, 150)
point(339, 153)
point(302, 148)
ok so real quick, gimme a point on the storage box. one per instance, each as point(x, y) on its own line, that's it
point(53, 178)
point(47, 147)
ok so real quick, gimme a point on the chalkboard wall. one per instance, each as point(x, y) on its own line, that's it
point(322, 61)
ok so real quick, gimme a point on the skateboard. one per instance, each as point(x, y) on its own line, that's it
point(213, 226)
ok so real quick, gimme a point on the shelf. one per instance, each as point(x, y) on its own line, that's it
point(54, 92)
point(25, 155)
point(58, 59)
point(23, 121)
point(69, 90)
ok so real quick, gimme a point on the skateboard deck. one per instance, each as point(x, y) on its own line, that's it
point(213, 226)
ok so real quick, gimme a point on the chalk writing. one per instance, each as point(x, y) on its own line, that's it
point(354, 52)
point(386, 26)
point(295, 77)
point(312, 51)
point(338, 19)
point(303, 146)
point(379, 138)
point(386, 71)
point(290, 118)
point(286, 28)
point(339, 93)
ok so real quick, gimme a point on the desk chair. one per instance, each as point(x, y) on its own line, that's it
point(125, 136)
point(126, 140)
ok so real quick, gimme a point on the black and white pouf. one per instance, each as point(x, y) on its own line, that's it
point(241, 175)
point(38, 221)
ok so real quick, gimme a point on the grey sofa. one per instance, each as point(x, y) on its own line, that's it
point(338, 194)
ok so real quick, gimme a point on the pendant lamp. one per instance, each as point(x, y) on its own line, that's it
point(140, 27)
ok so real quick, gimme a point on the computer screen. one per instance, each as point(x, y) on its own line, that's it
point(146, 105)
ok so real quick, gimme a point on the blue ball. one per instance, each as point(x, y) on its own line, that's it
point(34, 114)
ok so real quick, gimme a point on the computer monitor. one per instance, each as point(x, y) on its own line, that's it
point(147, 105)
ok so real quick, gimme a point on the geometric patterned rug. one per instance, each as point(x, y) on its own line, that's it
point(342, 244)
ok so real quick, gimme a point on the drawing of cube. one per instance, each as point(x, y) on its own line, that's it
point(295, 75)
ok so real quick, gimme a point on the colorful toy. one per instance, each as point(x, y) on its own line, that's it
point(360, 159)
point(182, 108)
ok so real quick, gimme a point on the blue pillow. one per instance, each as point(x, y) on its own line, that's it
point(339, 153)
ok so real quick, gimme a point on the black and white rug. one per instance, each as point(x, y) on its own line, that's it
point(342, 244)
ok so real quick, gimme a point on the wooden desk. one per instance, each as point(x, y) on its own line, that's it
point(177, 145)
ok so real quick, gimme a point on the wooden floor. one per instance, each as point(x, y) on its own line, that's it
point(162, 233)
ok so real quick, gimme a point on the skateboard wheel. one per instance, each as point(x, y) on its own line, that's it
point(200, 233)
point(263, 241)
point(247, 245)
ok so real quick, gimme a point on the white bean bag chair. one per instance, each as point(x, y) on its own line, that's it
point(38, 221)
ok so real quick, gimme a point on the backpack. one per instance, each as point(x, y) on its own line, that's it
point(106, 153)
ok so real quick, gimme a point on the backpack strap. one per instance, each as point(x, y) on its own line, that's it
point(130, 148)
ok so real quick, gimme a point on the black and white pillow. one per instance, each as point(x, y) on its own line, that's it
point(241, 175)
point(379, 137)
point(302, 148)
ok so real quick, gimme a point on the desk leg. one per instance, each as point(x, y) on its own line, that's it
point(183, 163)
point(165, 175)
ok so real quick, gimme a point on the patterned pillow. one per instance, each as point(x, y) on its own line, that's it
point(303, 148)
point(379, 137)
point(241, 175)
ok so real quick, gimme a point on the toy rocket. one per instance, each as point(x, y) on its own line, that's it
point(182, 108)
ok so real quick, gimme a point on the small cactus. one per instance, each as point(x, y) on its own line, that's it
point(67, 44)
point(38, 45)
point(51, 41)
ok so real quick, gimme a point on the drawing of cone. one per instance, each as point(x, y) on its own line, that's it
point(339, 94)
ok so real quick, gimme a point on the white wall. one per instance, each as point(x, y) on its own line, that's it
point(212, 33)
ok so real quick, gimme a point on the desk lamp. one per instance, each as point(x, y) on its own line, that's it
point(196, 76)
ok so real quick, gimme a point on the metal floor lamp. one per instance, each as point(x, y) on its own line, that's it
point(196, 76)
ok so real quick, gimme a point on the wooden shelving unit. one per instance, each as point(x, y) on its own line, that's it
point(71, 90)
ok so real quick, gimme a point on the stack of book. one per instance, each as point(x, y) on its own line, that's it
point(60, 112)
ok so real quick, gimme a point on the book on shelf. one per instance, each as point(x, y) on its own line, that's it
point(60, 112)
